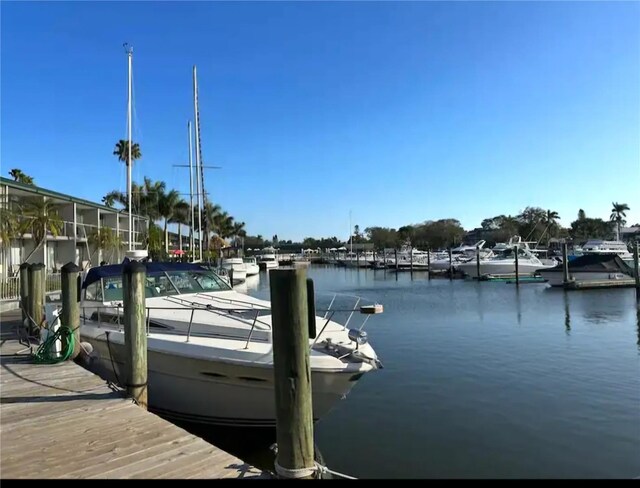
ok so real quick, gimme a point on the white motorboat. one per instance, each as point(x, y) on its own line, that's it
point(267, 259)
point(599, 246)
point(210, 348)
point(251, 265)
point(589, 268)
point(238, 267)
point(504, 263)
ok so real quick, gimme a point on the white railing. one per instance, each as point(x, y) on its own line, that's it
point(10, 288)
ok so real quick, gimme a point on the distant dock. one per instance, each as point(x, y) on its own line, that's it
point(62, 421)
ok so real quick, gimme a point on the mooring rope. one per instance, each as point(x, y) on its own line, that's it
point(307, 472)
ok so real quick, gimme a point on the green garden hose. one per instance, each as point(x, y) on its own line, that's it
point(47, 354)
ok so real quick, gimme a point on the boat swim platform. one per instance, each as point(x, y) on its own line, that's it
point(62, 421)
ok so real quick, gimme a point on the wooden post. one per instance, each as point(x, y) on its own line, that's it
point(450, 265)
point(428, 263)
point(636, 265)
point(478, 262)
point(565, 264)
point(35, 301)
point(515, 251)
point(294, 414)
point(230, 272)
point(135, 335)
point(70, 277)
point(24, 290)
point(411, 258)
point(396, 254)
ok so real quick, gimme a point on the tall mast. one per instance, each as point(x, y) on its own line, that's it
point(191, 209)
point(198, 162)
point(129, 162)
point(350, 235)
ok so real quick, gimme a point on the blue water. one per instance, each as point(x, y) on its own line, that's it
point(487, 380)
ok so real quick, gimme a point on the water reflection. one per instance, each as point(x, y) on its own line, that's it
point(518, 305)
point(567, 315)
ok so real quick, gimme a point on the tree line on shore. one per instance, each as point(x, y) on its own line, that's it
point(152, 199)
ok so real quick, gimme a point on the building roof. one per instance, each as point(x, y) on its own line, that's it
point(38, 190)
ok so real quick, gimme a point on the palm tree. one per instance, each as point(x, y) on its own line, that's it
point(180, 216)
point(581, 215)
point(9, 224)
point(550, 219)
point(105, 239)
point(617, 212)
point(166, 207)
point(40, 217)
point(122, 151)
point(20, 177)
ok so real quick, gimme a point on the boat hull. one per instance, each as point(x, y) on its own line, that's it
point(507, 268)
point(212, 391)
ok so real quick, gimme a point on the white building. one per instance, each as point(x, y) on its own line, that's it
point(80, 219)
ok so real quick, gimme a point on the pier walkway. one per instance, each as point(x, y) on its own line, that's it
point(62, 421)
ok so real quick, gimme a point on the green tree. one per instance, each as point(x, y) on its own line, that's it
point(104, 239)
point(122, 151)
point(39, 218)
point(20, 177)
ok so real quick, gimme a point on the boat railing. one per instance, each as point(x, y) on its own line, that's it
point(252, 315)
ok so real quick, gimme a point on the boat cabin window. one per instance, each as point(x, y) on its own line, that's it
point(159, 284)
point(93, 292)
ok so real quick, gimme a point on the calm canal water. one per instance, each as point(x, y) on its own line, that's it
point(482, 380)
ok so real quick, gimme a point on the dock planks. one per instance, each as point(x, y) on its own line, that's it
point(62, 421)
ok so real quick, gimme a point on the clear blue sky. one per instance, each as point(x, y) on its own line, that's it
point(399, 112)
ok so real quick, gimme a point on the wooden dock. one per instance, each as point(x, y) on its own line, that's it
point(587, 285)
point(62, 421)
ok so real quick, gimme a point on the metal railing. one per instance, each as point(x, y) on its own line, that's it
point(10, 287)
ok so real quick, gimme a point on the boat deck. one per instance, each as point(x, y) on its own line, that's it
point(62, 421)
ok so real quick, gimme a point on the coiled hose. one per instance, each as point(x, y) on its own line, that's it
point(47, 354)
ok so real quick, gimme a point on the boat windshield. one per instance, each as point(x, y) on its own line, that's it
point(159, 284)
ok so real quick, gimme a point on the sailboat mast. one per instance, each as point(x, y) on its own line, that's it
point(129, 162)
point(198, 162)
point(191, 209)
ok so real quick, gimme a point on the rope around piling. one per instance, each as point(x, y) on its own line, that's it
point(307, 472)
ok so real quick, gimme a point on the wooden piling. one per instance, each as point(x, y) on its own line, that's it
point(411, 258)
point(515, 252)
point(478, 262)
point(450, 265)
point(35, 299)
point(294, 415)
point(70, 278)
point(24, 290)
point(429, 263)
point(565, 263)
point(135, 335)
point(636, 265)
point(396, 254)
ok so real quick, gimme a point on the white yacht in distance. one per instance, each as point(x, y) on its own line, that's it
point(504, 263)
point(252, 265)
point(210, 352)
point(267, 258)
point(600, 246)
point(238, 267)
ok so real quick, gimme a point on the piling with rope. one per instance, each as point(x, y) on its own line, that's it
point(70, 317)
point(135, 336)
point(292, 373)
